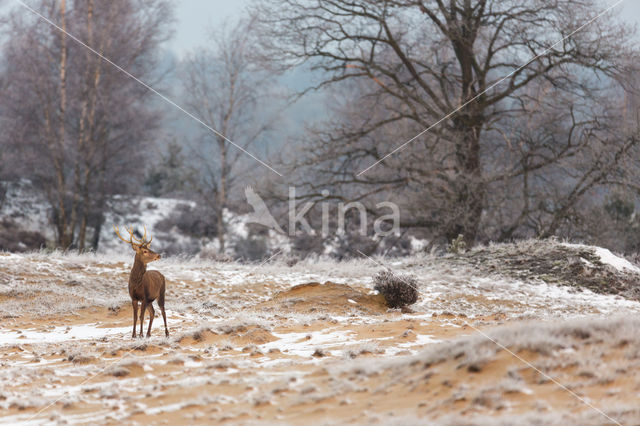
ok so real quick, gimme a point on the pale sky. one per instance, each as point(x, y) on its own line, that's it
point(631, 10)
point(194, 17)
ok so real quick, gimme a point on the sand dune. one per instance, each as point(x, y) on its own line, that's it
point(281, 345)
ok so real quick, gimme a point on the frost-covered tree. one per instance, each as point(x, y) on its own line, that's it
point(80, 126)
point(537, 129)
point(233, 94)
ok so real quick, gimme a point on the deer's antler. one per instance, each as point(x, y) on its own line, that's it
point(131, 236)
point(133, 240)
point(144, 239)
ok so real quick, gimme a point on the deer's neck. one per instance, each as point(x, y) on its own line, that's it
point(137, 272)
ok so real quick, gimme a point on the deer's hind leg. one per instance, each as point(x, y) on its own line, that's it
point(134, 303)
point(164, 315)
point(152, 314)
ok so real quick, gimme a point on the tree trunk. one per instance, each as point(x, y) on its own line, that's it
point(220, 225)
point(95, 240)
point(65, 235)
point(86, 126)
point(86, 208)
point(222, 194)
point(468, 202)
point(468, 123)
point(100, 207)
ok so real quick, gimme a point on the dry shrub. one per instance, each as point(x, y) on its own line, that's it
point(398, 290)
point(15, 239)
point(119, 371)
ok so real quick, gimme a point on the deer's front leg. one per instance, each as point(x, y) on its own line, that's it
point(143, 308)
point(135, 316)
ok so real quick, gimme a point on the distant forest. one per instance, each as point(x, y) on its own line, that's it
point(481, 120)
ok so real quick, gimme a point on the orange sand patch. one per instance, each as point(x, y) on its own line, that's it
point(328, 297)
point(214, 374)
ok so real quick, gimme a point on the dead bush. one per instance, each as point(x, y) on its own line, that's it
point(398, 290)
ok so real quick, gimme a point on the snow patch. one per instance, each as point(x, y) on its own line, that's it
point(60, 334)
point(607, 258)
point(617, 262)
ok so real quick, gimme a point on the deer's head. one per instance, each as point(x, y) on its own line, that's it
point(139, 245)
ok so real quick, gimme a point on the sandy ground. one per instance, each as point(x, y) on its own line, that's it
point(279, 348)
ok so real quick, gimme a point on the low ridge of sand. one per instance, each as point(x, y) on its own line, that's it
point(300, 353)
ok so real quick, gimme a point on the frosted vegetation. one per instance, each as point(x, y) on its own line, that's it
point(250, 336)
point(530, 278)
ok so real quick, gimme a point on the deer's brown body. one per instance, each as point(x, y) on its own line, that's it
point(145, 286)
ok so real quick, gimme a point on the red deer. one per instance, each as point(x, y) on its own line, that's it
point(144, 286)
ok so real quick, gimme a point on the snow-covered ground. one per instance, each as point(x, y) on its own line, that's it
point(608, 258)
point(257, 342)
point(25, 207)
point(30, 212)
point(444, 287)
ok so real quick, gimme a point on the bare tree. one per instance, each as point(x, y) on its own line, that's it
point(400, 66)
point(230, 91)
point(560, 158)
point(79, 124)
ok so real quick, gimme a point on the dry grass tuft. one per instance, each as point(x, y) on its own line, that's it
point(398, 290)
